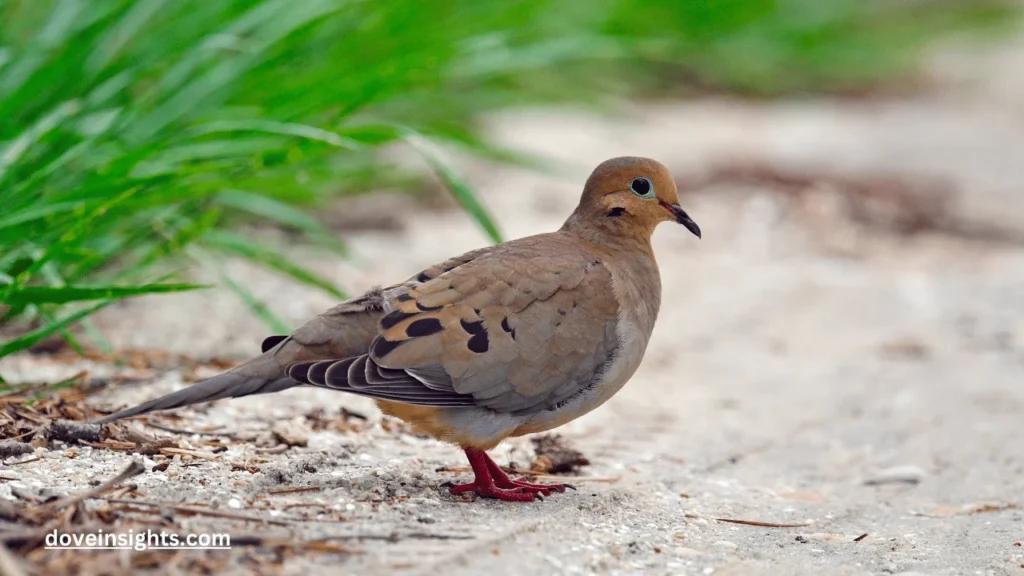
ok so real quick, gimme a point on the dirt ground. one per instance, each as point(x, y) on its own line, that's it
point(843, 351)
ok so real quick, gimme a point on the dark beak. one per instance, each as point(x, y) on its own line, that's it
point(682, 217)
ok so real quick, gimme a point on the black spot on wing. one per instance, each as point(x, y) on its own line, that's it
point(271, 341)
point(479, 343)
point(394, 318)
point(428, 308)
point(472, 327)
point(507, 328)
point(381, 347)
point(405, 297)
point(424, 327)
point(423, 277)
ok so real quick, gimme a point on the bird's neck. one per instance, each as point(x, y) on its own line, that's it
point(610, 235)
point(630, 257)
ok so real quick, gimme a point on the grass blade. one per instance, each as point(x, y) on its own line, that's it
point(64, 294)
point(255, 305)
point(461, 191)
point(250, 250)
point(281, 129)
point(277, 211)
point(29, 339)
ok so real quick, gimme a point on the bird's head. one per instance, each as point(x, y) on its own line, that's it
point(631, 195)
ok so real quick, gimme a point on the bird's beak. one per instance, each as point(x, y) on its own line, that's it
point(682, 217)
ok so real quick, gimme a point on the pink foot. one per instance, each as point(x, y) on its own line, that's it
point(489, 490)
point(492, 482)
point(502, 480)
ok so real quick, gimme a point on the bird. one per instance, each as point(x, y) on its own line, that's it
point(507, 340)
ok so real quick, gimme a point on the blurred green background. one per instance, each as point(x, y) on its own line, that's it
point(136, 136)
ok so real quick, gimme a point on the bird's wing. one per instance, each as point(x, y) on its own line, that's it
point(520, 328)
point(344, 331)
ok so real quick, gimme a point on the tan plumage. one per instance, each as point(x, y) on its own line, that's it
point(508, 340)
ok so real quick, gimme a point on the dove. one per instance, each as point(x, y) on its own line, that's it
point(503, 341)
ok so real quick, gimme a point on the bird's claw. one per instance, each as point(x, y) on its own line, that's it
point(545, 489)
point(484, 490)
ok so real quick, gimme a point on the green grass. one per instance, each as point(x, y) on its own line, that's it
point(780, 47)
point(136, 136)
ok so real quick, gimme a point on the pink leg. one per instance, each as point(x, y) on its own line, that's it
point(484, 485)
point(501, 480)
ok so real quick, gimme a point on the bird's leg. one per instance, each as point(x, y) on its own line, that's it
point(484, 483)
point(502, 480)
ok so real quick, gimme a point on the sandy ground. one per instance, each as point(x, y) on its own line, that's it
point(806, 368)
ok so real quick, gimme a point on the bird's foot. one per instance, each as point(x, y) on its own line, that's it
point(502, 480)
point(492, 482)
point(542, 489)
point(489, 490)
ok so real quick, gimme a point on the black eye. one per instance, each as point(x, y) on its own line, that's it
point(641, 186)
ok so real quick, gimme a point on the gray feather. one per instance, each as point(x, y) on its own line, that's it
point(262, 378)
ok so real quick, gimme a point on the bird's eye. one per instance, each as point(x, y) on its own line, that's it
point(642, 187)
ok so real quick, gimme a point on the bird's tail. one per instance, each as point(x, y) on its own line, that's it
point(260, 375)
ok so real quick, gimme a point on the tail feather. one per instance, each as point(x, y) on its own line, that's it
point(244, 380)
point(345, 330)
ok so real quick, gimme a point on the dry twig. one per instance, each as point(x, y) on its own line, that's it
point(10, 448)
point(295, 490)
point(134, 469)
point(202, 511)
point(69, 432)
point(193, 453)
point(759, 523)
point(173, 430)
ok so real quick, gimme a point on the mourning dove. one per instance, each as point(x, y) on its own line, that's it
point(508, 340)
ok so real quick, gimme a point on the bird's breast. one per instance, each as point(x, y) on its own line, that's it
point(607, 382)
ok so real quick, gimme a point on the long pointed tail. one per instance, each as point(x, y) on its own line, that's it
point(345, 330)
point(261, 375)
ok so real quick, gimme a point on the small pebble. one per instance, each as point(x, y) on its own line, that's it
point(725, 545)
point(897, 474)
point(235, 503)
point(688, 552)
